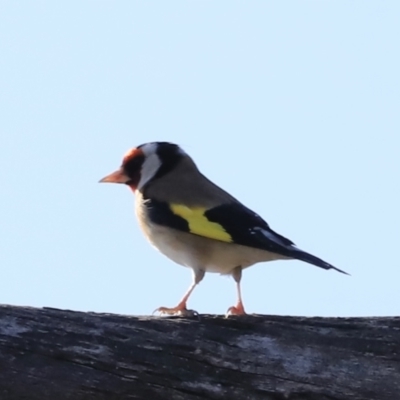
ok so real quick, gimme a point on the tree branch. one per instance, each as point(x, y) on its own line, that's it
point(49, 354)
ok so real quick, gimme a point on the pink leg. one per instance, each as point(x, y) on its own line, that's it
point(239, 308)
point(181, 309)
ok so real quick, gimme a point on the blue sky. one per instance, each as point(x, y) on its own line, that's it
point(293, 107)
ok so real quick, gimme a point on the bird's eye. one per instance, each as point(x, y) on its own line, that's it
point(133, 165)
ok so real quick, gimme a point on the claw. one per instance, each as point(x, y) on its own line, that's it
point(179, 310)
point(236, 310)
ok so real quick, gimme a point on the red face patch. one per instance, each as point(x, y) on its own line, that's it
point(131, 154)
point(131, 165)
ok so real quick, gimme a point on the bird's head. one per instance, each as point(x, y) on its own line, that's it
point(145, 163)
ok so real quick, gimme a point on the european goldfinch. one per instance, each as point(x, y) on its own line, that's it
point(195, 223)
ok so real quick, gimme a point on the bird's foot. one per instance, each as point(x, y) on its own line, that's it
point(236, 310)
point(179, 310)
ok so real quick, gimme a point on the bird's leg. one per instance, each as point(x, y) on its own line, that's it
point(239, 308)
point(181, 309)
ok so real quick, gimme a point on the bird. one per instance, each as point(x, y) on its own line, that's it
point(195, 223)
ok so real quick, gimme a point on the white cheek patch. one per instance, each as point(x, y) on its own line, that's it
point(149, 168)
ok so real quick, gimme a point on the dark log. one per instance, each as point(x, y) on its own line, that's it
point(49, 354)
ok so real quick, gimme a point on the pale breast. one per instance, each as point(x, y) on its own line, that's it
point(196, 251)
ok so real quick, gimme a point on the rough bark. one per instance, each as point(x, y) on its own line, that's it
point(49, 354)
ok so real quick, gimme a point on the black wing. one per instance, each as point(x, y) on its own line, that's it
point(249, 229)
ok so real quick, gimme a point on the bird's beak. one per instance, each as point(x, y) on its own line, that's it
point(116, 177)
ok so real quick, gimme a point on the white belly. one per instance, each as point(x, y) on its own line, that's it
point(207, 254)
point(198, 252)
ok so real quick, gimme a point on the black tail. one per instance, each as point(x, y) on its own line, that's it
point(309, 258)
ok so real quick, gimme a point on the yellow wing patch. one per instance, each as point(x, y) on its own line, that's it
point(199, 224)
